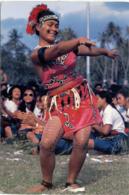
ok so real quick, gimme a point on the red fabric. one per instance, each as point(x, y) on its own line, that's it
point(87, 114)
point(60, 70)
point(113, 132)
point(126, 130)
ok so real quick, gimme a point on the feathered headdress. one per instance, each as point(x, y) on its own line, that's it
point(32, 20)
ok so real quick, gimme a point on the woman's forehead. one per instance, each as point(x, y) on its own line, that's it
point(28, 90)
point(52, 21)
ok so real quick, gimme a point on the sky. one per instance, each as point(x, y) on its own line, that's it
point(21, 9)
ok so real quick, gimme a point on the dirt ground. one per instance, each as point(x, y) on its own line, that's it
point(101, 174)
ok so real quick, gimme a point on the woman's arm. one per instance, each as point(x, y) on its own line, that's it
point(104, 129)
point(59, 49)
point(5, 79)
point(91, 51)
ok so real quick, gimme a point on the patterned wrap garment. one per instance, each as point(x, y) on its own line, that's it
point(69, 97)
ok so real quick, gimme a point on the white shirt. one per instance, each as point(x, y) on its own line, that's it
point(112, 117)
point(123, 111)
point(10, 105)
point(38, 112)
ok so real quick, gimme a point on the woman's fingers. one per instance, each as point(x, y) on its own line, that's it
point(90, 43)
point(86, 42)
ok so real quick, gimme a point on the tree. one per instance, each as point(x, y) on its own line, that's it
point(66, 34)
point(15, 60)
point(112, 70)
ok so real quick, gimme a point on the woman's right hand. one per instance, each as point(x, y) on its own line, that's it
point(85, 41)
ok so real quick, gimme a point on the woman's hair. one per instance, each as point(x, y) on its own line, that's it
point(105, 95)
point(11, 91)
point(31, 105)
point(39, 14)
point(124, 91)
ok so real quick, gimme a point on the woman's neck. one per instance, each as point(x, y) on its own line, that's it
point(16, 100)
point(127, 106)
point(44, 42)
point(104, 106)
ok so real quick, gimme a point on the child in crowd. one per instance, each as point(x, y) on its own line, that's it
point(123, 101)
point(110, 136)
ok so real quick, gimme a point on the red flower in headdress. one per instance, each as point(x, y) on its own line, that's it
point(32, 20)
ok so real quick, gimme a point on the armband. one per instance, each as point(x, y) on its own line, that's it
point(41, 54)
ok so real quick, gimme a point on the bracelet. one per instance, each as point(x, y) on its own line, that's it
point(82, 44)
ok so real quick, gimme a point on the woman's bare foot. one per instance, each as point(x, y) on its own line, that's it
point(40, 187)
point(37, 189)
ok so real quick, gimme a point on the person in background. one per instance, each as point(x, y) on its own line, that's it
point(3, 80)
point(123, 101)
point(10, 107)
point(25, 110)
point(98, 87)
point(110, 135)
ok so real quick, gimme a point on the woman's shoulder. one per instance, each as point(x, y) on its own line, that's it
point(108, 109)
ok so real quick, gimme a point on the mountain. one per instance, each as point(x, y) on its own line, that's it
point(20, 24)
point(75, 20)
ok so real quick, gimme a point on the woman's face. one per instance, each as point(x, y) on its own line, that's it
point(49, 30)
point(28, 96)
point(44, 102)
point(122, 101)
point(38, 102)
point(16, 93)
point(100, 102)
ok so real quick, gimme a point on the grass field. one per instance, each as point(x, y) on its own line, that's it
point(101, 174)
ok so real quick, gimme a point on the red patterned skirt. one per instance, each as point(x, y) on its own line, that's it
point(74, 115)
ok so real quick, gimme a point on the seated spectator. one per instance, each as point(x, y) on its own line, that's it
point(29, 121)
point(98, 87)
point(10, 105)
point(123, 101)
point(4, 121)
point(27, 105)
point(110, 136)
point(13, 101)
point(3, 79)
point(38, 108)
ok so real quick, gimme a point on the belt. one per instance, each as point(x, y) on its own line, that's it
point(66, 87)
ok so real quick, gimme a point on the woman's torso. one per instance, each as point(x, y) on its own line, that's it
point(111, 116)
point(57, 72)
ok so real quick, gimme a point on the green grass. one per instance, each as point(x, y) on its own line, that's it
point(21, 171)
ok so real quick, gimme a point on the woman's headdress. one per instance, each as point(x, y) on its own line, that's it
point(32, 20)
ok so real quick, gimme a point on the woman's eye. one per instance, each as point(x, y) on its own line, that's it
point(50, 25)
point(57, 26)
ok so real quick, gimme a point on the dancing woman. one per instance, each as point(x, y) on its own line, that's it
point(71, 105)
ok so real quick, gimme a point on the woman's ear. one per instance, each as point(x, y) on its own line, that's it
point(38, 27)
point(127, 99)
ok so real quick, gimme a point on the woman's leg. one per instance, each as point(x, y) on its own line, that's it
point(78, 155)
point(8, 132)
point(51, 134)
point(31, 136)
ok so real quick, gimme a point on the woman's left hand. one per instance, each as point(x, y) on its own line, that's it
point(112, 53)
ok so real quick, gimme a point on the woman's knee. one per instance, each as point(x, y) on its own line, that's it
point(80, 145)
point(47, 145)
point(81, 139)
